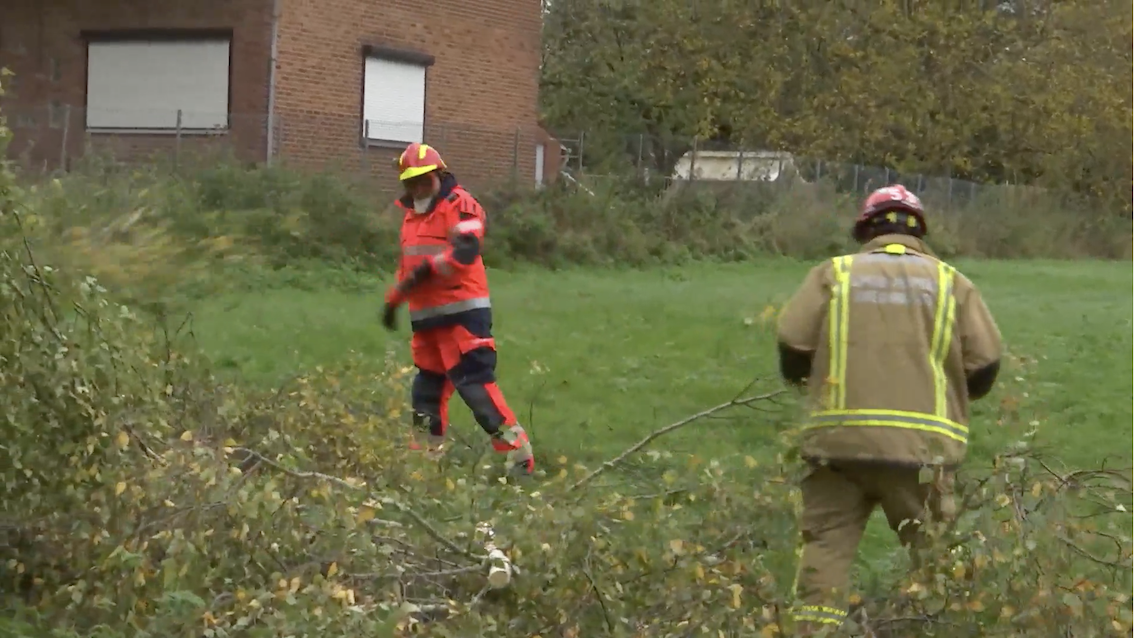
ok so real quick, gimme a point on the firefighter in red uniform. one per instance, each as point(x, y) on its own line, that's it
point(441, 277)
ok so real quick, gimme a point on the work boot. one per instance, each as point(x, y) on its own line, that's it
point(434, 445)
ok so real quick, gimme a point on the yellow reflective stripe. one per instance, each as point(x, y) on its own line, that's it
point(942, 335)
point(819, 614)
point(894, 249)
point(891, 419)
point(839, 320)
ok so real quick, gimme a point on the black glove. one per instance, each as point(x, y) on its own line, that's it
point(396, 296)
point(390, 316)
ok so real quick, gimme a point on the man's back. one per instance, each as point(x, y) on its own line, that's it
point(896, 334)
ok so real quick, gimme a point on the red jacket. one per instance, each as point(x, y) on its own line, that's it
point(450, 234)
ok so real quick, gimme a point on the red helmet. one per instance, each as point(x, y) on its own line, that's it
point(419, 159)
point(897, 200)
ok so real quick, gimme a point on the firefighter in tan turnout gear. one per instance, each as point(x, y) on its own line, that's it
point(892, 344)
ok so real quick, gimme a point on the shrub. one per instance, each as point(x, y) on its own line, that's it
point(98, 219)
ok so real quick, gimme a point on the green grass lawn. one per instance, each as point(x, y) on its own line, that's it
point(627, 352)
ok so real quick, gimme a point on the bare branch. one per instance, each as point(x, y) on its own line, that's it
point(748, 401)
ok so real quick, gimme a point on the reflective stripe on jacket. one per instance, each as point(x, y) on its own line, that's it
point(894, 332)
point(454, 288)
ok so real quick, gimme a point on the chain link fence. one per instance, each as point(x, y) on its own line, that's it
point(595, 159)
point(56, 137)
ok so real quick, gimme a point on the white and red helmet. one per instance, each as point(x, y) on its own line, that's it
point(894, 204)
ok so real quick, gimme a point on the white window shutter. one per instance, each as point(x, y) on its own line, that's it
point(141, 85)
point(393, 101)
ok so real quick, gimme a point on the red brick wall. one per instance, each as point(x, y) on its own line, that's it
point(36, 38)
point(481, 94)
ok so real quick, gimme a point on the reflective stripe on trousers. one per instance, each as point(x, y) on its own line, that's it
point(450, 308)
point(818, 614)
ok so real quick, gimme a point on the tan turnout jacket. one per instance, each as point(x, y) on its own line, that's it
point(895, 332)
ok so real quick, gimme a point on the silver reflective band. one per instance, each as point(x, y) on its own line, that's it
point(430, 249)
point(450, 308)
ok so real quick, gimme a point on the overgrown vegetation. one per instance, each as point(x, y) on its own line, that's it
point(146, 497)
point(116, 220)
point(142, 498)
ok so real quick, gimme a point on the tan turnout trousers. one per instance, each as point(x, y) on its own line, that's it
point(838, 500)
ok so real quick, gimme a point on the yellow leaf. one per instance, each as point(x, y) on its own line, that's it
point(699, 571)
point(168, 389)
point(562, 460)
point(123, 440)
point(187, 435)
point(332, 570)
point(450, 485)
point(736, 589)
point(365, 514)
point(119, 488)
point(750, 462)
point(676, 546)
point(628, 515)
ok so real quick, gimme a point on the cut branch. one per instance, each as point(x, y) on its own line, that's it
point(747, 401)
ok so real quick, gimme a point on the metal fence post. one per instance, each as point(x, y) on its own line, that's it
point(177, 143)
point(66, 134)
point(641, 150)
point(516, 155)
point(693, 160)
point(581, 137)
point(364, 148)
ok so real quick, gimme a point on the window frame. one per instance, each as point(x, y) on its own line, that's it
point(157, 35)
point(373, 51)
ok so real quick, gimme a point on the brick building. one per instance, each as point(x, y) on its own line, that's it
point(312, 82)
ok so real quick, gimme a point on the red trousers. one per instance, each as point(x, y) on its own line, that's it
point(460, 358)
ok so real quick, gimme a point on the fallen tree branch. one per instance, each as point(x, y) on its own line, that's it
point(747, 401)
point(414, 516)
